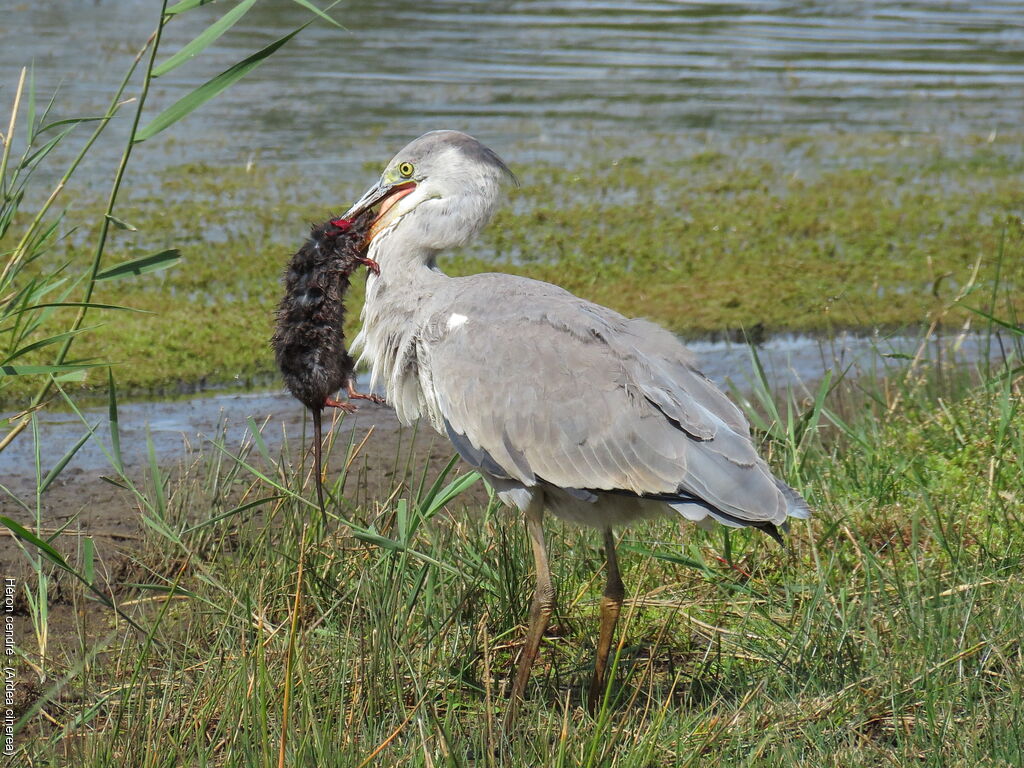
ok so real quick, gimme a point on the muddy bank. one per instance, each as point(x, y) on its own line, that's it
point(180, 434)
point(82, 503)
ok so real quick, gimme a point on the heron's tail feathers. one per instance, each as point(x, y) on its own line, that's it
point(703, 512)
point(797, 507)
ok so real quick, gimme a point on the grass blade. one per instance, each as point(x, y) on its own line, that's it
point(46, 149)
point(185, 5)
point(1017, 330)
point(80, 304)
point(59, 466)
point(71, 376)
point(257, 438)
point(231, 512)
point(35, 370)
point(88, 558)
point(159, 492)
point(31, 122)
point(140, 266)
point(670, 557)
point(45, 343)
point(426, 501)
point(310, 7)
point(121, 224)
point(44, 548)
point(51, 554)
point(204, 38)
point(70, 121)
point(188, 104)
point(115, 430)
point(357, 531)
point(449, 492)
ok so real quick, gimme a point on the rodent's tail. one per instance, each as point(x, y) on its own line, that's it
point(317, 447)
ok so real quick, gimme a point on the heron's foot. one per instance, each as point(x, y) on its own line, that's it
point(330, 402)
point(353, 395)
point(372, 265)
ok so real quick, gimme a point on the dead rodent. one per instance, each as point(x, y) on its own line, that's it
point(309, 340)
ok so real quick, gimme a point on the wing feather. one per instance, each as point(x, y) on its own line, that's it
point(551, 388)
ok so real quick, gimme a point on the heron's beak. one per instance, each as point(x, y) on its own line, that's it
point(387, 195)
point(373, 196)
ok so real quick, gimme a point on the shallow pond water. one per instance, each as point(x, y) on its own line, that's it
point(793, 363)
point(539, 73)
point(542, 80)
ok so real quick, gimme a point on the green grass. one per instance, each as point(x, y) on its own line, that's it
point(808, 234)
point(887, 632)
point(249, 632)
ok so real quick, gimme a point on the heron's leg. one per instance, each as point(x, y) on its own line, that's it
point(611, 606)
point(543, 601)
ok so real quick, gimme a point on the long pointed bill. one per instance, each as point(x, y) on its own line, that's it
point(373, 196)
point(386, 195)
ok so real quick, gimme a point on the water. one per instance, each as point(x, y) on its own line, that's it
point(539, 75)
point(792, 363)
point(531, 79)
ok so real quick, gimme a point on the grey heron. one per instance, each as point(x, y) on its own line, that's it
point(561, 404)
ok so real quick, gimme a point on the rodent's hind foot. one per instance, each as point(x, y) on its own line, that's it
point(353, 395)
point(330, 402)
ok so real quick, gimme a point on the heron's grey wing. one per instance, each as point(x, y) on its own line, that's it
point(542, 385)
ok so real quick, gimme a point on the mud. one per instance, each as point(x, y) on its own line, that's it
point(83, 501)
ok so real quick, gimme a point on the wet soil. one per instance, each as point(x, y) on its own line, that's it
point(84, 502)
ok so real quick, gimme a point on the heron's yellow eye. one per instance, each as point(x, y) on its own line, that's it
point(406, 170)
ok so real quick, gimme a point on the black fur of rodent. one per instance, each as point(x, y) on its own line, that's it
point(309, 340)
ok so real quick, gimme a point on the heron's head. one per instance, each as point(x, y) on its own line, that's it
point(438, 192)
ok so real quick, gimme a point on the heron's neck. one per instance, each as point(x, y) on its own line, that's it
point(408, 273)
point(391, 321)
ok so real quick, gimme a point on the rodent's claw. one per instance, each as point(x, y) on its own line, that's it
point(330, 402)
point(353, 395)
point(372, 265)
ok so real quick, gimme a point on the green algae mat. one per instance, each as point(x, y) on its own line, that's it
point(803, 233)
